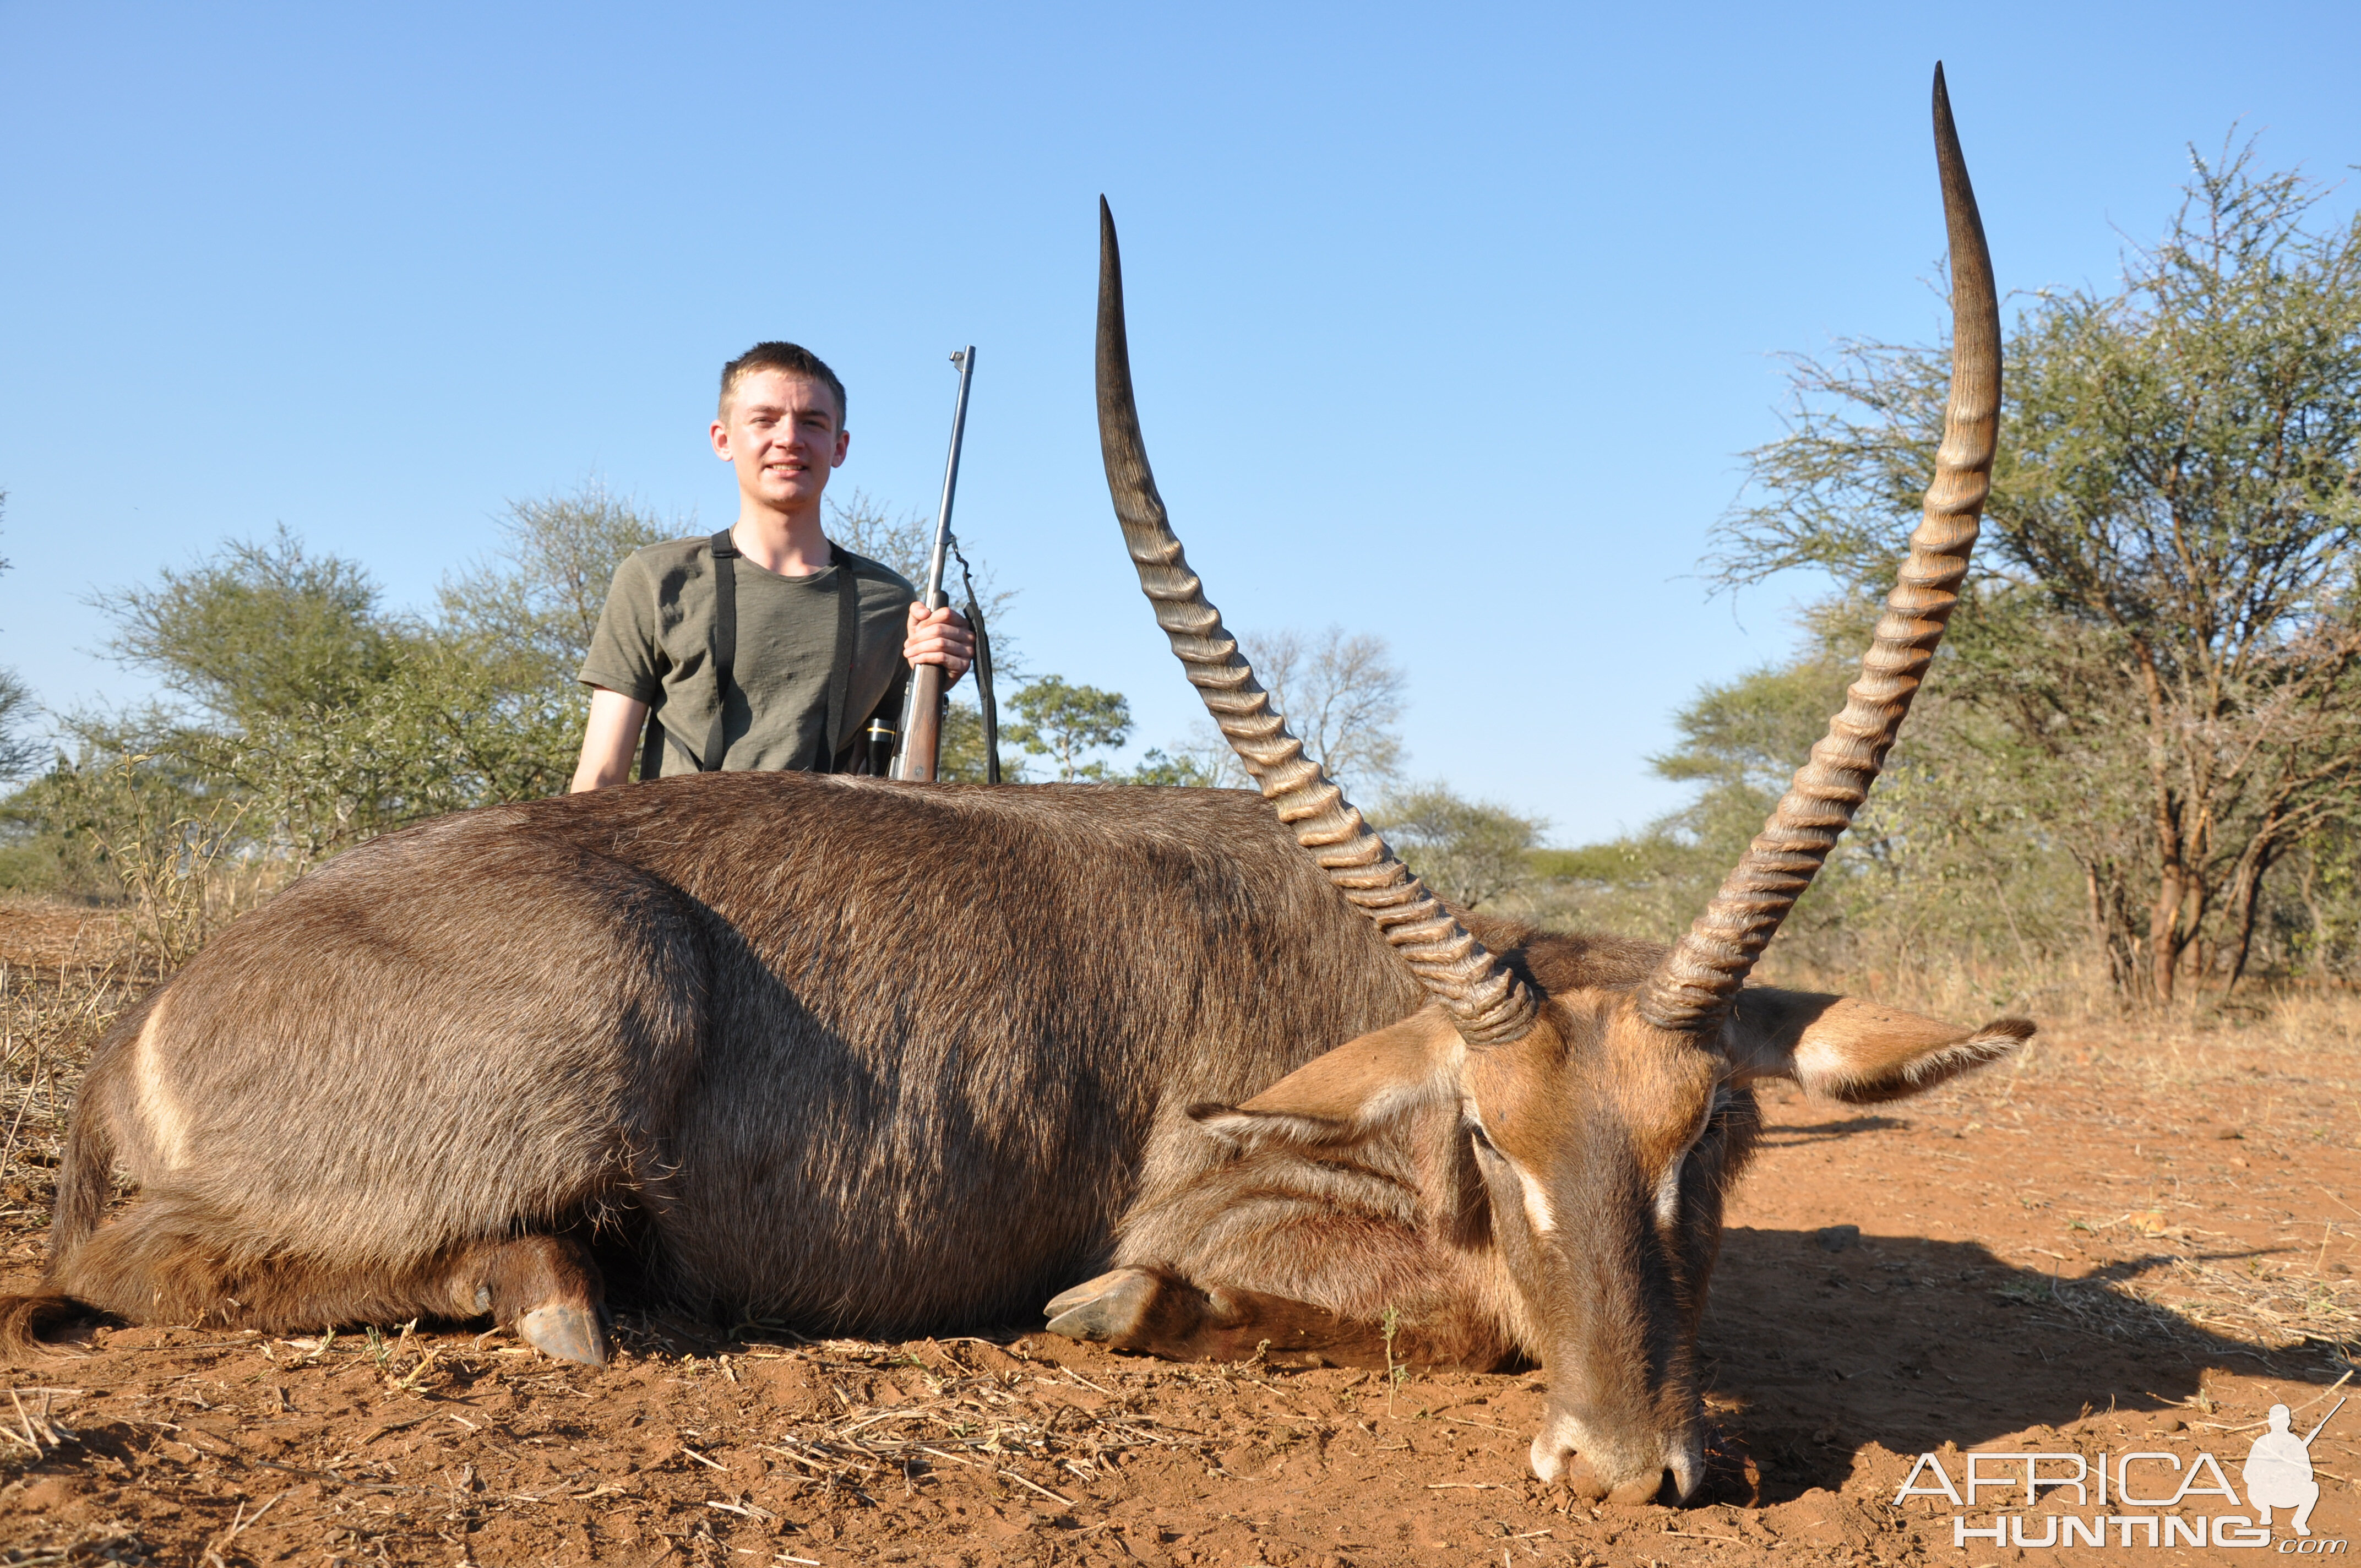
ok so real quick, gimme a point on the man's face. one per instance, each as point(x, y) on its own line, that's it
point(779, 432)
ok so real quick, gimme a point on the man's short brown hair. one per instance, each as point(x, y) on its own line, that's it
point(791, 357)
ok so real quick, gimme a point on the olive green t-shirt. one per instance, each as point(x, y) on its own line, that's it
point(655, 644)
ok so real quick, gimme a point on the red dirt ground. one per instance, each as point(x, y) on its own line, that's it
point(2122, 1244)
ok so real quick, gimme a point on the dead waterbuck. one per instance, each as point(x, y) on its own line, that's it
point(884, 1057)
point(1536, 1161)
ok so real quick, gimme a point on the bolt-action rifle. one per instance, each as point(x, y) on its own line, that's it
point(922, 714)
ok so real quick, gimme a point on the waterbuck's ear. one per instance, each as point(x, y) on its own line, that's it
point(1332, 1099)
point(1264, 1129)
point(1842, 1049)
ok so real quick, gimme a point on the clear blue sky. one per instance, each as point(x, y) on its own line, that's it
point(1448, 320)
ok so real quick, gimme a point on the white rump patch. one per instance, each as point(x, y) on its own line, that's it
point(160, 1112)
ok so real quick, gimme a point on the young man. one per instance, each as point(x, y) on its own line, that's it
point(801, 685)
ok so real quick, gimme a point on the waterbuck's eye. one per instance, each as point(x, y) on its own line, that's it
point(1483, 1139)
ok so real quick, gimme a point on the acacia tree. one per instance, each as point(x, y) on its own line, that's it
point(257, 631)
point(326, 718)
point(1065, 722)
point(2164, 632)
point(1469, 851)
point(537, 597)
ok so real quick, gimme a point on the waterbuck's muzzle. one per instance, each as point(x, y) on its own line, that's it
point(1622, 1402)
point(1621, 1408)
point(1614, 1290)
point(1614, 1461)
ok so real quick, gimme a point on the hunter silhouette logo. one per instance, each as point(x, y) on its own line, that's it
point(2149, 1498)
point(2279, 1471)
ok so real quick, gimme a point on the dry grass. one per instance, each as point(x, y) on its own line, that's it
point(50, 1017)
point(2276, 1307)
point(2198, 1300)
point(1949, 985)
point(2265, 1068)
point(952, 1407)
point(2306, 1033)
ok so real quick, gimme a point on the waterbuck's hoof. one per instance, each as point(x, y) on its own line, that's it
point(1112, 1308)
point(566, 1333)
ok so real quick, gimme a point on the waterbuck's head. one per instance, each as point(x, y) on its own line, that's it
point(1604, 1105)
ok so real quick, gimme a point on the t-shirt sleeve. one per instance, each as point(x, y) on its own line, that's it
point(624, 654)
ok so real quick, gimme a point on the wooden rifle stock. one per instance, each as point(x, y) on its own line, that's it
point(922, 724)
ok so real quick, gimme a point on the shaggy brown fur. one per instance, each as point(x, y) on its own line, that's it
point(859, 1056)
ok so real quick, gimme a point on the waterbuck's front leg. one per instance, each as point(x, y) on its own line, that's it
point(1308, 1228)
point(1156, 1312)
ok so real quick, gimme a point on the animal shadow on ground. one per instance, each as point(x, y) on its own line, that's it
point(1828, 1132)
point(1827, 1341)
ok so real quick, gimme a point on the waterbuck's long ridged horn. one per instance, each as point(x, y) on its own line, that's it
point(1704, 971)
point(1489, 1004)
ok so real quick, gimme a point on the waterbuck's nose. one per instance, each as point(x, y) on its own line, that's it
point(1634, 1471)
point(1590, 1487)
